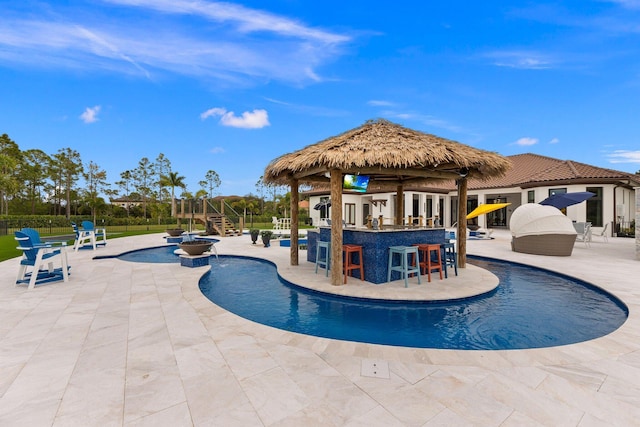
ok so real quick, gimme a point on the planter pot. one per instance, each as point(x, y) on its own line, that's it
point(175, 232)
point(254, 237)
point(195, 247)
point(266, 240)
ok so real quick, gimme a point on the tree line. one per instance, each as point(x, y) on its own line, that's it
point(33, 182)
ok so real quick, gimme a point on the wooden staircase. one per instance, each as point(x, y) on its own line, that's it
point(217, 221)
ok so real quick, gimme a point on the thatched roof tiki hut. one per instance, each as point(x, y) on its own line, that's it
point(392, 155)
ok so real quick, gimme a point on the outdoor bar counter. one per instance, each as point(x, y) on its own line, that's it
point(375, 245)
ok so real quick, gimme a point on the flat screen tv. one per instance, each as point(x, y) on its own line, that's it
point(357, 183)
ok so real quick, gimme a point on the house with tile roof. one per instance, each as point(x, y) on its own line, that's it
point(531, 179)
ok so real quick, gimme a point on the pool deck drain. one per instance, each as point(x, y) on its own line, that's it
point(375, 369)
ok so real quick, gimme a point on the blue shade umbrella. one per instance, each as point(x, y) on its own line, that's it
point(562, 200)
point(322, 204)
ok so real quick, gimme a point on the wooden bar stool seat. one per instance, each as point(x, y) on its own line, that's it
point(430, 261)
point(349, 264)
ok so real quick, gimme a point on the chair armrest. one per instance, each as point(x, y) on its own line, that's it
point(55, 243)
point(41, 245)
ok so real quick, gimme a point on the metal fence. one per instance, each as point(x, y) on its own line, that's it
point(64, 228)
point(626, 229)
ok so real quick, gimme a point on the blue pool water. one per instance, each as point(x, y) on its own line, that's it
point(161, 254)
point(531, 308)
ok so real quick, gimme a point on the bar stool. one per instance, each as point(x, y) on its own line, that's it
point(404, 268)
point(429, 263)
point(325, 261)
point(449, 258)
point(349, 265)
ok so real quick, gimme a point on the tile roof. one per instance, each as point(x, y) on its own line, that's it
point(533, 170)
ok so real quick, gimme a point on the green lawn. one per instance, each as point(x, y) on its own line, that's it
point(8, 243)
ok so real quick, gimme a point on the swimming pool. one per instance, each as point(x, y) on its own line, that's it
point(161, 254)
point(532, 308)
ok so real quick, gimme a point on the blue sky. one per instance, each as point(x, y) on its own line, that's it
point(229, 86)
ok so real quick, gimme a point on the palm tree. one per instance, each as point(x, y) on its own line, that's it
point(173, 180)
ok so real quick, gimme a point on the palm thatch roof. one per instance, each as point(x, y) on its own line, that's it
point(390, 154)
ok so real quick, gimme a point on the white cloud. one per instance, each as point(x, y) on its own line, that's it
point(212, 112)
point(311, 109)
point(217, 150)
point(248, 20)
point(228, 43)
point(423, 118)
point(90, 114)
point(629, 4)
point(255, 119)
point(624, 156)
point(380, 103)
point(527, 60)
point(526, 141)
point(276, 101)
point(554, 141)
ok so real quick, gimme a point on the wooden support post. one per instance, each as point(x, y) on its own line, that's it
point(399, 205)
point(462, 222)
point(336, 227)
point(294, 221)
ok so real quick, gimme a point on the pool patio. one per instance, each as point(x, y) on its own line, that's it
point(131, 344)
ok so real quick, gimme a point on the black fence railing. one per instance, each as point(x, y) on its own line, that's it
point(626, 229)
point(58, 226)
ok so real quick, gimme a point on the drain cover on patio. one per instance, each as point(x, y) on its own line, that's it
point(375, 369)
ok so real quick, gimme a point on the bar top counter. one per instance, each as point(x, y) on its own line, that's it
point(375, 245)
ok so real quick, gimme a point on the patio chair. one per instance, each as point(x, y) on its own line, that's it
point(481, 233)
point(99, 233)
point(603, 234)
point(584, 232)
point(82, 237)
point(36, 254)
point(89, 234)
